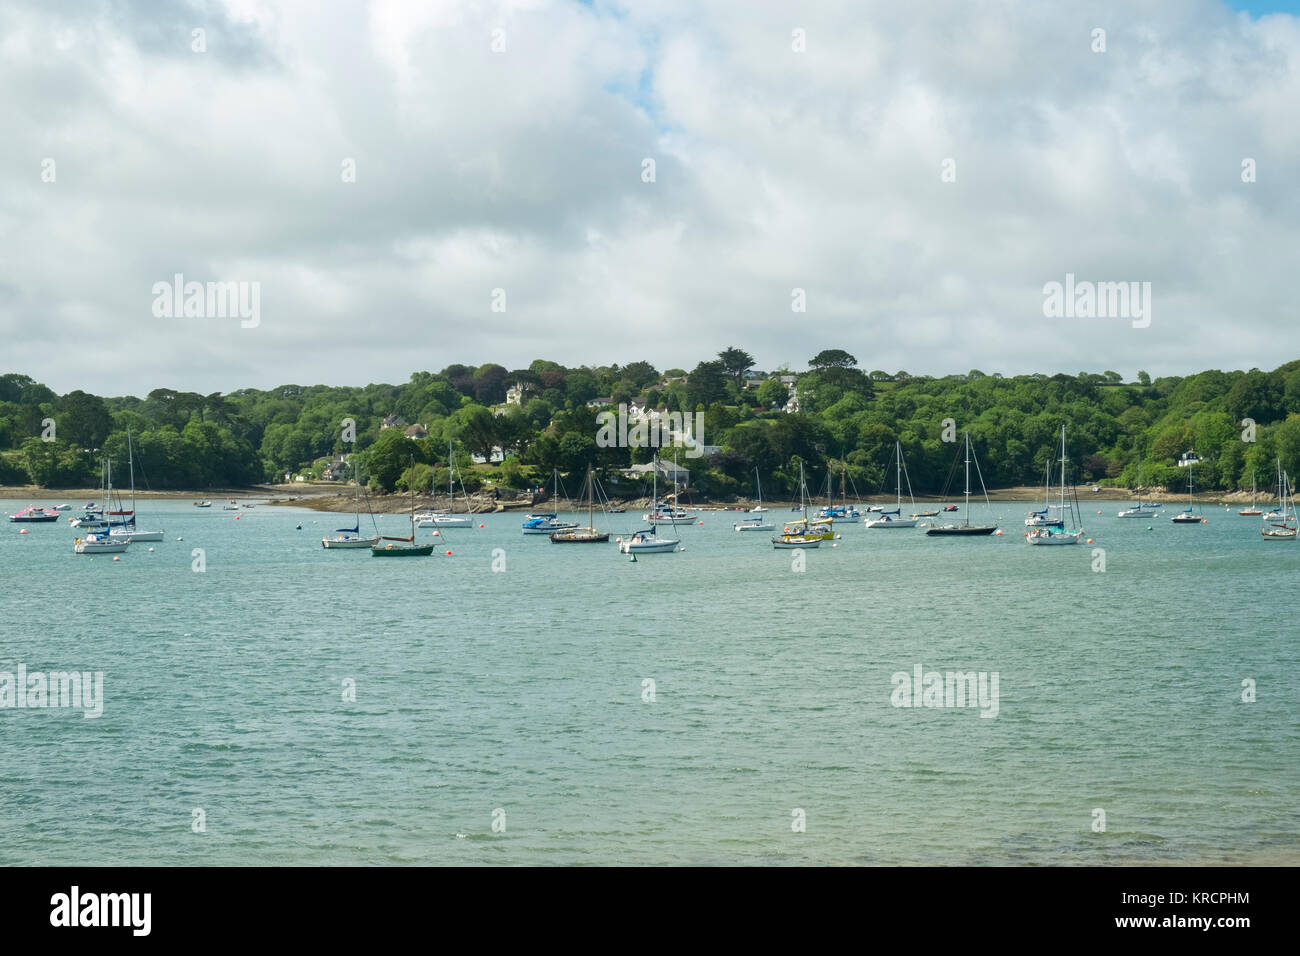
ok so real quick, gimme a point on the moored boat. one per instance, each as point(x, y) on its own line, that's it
point(34, 515)
point(965, 529)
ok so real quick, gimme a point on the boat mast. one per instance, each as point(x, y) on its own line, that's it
point(966, 522)
point(898, 476)
point(654, 489)
point(1063, 476)
point(677, 501)
point(130, 459)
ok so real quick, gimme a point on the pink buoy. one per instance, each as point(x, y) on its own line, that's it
point(24, 531)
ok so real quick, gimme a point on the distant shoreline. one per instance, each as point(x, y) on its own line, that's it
point(334, 497)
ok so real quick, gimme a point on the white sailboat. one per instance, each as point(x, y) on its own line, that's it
point(755, 524)
point(1253, 511)
point(648, 541)
point(350, 538)
point(1052, 535)
point(546, 522)
point(98, 542)
point(1285, 526)
point(448, 518)
point(1142, 509)
point(895, 519)
point(1187, 516)
point(1043, 518)
point(128, 528)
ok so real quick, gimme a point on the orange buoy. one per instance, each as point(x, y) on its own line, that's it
point(480, 525)
point(435, 534)
point(999, 531)
point(449, 554)
point(1090, 540)
point(24, 531)
point(117, 557)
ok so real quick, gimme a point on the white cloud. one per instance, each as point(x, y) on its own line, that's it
point(522, 170)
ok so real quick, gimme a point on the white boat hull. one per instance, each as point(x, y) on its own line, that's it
point(753, 526)
point(344, 543)
point(548, 528)
point(100, 547)
point(137, 535)
point(647, 547)
point(781, 545)
point(889, 523)
point(1056, 538)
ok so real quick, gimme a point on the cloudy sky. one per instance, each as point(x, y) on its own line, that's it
point(503, 146)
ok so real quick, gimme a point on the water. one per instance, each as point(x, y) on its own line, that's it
point(523, 690)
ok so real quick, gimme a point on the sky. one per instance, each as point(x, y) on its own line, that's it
point(411, 185)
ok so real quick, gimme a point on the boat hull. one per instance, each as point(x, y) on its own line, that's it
point(550, 528)
point(889, 523)
point(344, 544)
point(753, 526)
point(579, 537)
point(138, 535)
point(1053, 539)
point(100, 547)
point(388, 551)
point(962, 532)
point(793, 544)
point(444, 521)
point(647, 547)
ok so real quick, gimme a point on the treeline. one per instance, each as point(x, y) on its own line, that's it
point(837, 419)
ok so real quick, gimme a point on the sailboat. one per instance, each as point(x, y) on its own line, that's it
point(1286, 528)
point(895, 519)
point(1142, 509)
point(649, 542)
point(402, 547)
point(1043, 518)
point(843, 511)
point(589, 534)
point(673, 514)
point(756, 523)
point(128, 528)
point(1252, 511)
point(545, 522)
point(1053, 534)
point(98, 542)
point(1186, 516)
point(448, 518)
point(351, 537)
point(966, 528)
point(792, 537)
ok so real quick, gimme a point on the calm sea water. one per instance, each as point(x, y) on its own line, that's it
point(523, 691)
